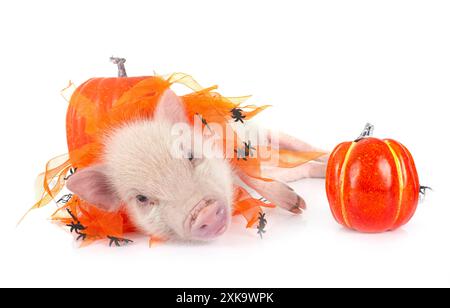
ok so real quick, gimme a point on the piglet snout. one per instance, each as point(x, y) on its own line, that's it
point(208, 219)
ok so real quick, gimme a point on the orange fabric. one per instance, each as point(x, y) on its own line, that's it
point(101, 104)
point(98, 224)
point(248, 206)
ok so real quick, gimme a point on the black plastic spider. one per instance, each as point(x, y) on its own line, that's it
point(64, 199)
point(246, 151)
point(77, 227)
point(116, 241)
point(236, 114)
point(262, 222)
point(71, 172)
point(249, 149)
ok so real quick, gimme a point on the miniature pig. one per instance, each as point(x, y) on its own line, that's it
point(186, 196)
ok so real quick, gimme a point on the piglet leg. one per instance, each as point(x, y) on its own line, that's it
point(312, 169)
point(288, 142)
point(276, 192)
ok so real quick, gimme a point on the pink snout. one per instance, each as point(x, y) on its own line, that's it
point(208, 219)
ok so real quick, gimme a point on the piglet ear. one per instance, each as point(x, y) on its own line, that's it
point(91, 185)
point(170, 108)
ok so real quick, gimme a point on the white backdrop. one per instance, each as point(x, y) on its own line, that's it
point(327, 67)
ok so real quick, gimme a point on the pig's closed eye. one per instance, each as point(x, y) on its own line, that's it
point(144, 200)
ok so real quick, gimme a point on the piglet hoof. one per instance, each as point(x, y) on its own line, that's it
point(299, 206)
point(286, 198)
point(278, 193)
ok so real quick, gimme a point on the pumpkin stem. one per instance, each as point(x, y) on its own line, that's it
point(120, 65)
point(367, 132)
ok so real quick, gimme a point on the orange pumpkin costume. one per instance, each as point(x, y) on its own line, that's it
point(100, 104)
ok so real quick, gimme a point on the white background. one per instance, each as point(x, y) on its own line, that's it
point(328, 67)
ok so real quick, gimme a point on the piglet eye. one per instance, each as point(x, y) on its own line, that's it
point(145, 201)
point(142, 199)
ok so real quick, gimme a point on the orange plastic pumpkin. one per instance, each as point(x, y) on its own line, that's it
point(372, 185)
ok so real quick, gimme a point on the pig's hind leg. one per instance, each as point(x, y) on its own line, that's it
point(276, 191)
point(313, 169)
point(310, 169)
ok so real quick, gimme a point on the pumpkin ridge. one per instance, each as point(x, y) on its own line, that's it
point(341, 184)
point(400, 181)
point(410, 178)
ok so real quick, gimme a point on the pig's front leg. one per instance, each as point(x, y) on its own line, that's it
point(276, 192)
